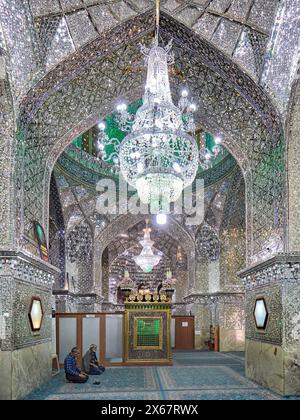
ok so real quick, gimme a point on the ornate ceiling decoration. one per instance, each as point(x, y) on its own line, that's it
point(79, 202)
point(127, 231)
point(85, 168)
point(90, 86)
point(83, 161)
point(41, 34)
point(240, 28)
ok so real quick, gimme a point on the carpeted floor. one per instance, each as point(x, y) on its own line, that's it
point(194, 376)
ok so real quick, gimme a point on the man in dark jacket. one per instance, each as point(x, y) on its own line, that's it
point(73, 373)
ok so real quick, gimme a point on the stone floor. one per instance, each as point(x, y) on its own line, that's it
point(194, 376)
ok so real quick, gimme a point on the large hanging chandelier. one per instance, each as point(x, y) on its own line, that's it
point(147, 260)
point(159, 157)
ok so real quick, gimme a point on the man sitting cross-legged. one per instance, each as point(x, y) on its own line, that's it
point(73, 373)
point(90, 362)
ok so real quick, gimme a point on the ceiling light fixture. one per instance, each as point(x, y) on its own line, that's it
point(147, 260)
point(159, 157)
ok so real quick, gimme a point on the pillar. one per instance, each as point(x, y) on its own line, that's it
point(25, 356)
point(273, 344)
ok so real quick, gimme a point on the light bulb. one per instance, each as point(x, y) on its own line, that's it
point(185, 93)
point(193, 108)
point(218, 140)
point(102, 126)
point(161, 219)
point(176, 167)
point(122, 107)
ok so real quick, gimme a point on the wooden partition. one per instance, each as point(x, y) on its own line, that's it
point(81, 330)
point(106, 330)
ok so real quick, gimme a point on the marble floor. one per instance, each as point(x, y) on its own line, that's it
point(194, 376)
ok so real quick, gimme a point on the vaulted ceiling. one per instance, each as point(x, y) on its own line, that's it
point(240, 28)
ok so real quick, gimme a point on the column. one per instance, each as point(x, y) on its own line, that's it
point(273, 323)
point(25, 323)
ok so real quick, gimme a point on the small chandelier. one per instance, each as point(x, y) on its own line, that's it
point(147, 260)
point(159, 157)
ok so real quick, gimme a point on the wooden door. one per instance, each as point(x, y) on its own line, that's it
point(184, 333)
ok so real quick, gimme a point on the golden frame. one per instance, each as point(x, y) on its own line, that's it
point(127, 360)
point(146, 318)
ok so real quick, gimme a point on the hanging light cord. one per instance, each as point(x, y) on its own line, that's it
point(157, 18)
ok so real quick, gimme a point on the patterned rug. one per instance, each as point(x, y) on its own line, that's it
point(194, 376)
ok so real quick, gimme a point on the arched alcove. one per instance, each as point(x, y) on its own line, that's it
point(86, 90)
point(124, 224)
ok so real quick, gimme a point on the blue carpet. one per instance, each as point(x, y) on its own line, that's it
point(194, 376)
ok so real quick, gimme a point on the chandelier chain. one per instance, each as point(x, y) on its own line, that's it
point(157, 19)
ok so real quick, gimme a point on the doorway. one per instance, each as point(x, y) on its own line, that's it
point(184, 333)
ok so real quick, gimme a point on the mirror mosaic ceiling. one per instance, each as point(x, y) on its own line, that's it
point(240, 28)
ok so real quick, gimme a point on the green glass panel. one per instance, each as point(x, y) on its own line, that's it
point(148, 332)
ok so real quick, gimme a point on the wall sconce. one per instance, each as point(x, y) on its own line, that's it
point(36, 314)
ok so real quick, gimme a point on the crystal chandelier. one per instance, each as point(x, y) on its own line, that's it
point(159, 157)
point(147, 260)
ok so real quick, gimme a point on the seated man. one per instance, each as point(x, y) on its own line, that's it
point(90, 362)
point(73, 373)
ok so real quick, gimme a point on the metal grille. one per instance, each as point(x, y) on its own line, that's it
point(148, 332)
